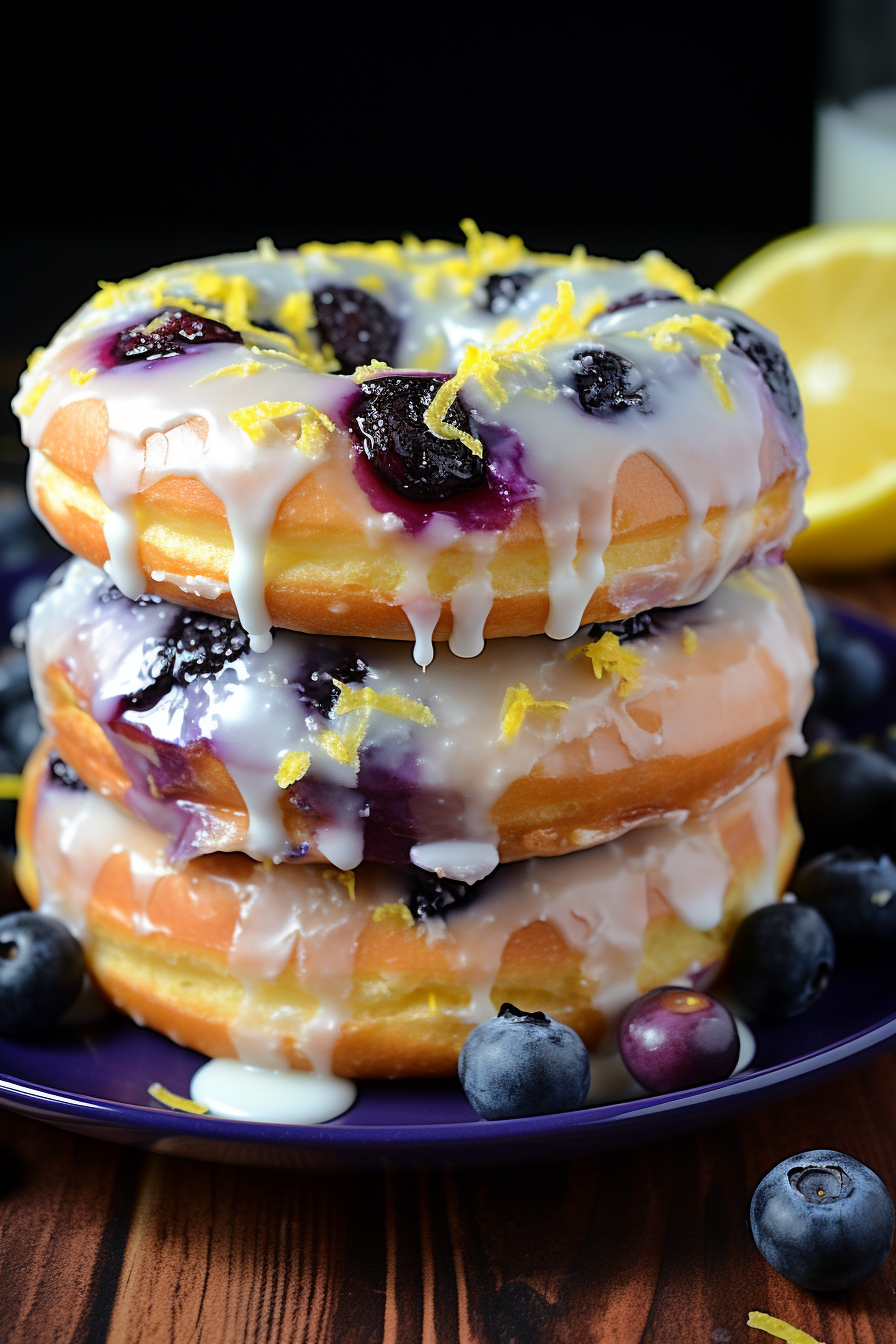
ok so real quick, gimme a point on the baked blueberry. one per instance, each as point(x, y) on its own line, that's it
point(781, 959)
point(169, 333)
point(603, 383)
point(855, 892)
point(316, 680)
point(197, 644)
point(63, 774)
point(627, 628)
point(41, 969)
point(823, 1220)
point(845, 796)
point(356, 326)
point(852, 675)
point(772, 364)
point(641, 299)
point(523, 1064)
point(674, 1038)
point(388, 425)
point(500, 292)
point(429, 894)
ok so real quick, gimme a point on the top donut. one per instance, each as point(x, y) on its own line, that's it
point(417, 441)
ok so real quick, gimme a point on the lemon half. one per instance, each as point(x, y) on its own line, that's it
point(829, 294)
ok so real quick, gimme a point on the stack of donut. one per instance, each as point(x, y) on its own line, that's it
point(428, 643)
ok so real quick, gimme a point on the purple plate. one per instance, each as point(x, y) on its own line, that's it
point(93, 1081)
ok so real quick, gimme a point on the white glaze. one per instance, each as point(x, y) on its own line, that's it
point(713, 455)
point(240, 1092)
point(465, 860)
point(753, 660)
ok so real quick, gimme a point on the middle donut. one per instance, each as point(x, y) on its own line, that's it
point(343, 749)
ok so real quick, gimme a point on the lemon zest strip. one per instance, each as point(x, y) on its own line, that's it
point(760, 1320)
point(296, 313)
point(292, 768)
point(234, 371)
point(159, 1092)
point(365, 371)
point(81, 376)
point(395, 913)
point(347, 880)
point(662, 334)
point(399, 706)
point(345, 749)
point(689, 640)
point(711, 364)
point(608, 655)
point(518, 700)
point(663, 273)
point(28, 404)
point(254, 420)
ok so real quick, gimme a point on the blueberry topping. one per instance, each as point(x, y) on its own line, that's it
point(522, 1063)
point(113, 594)
point(628, 628)
point(602, 382)
point(845, 795)
point(196, 645)
point(388, 424)
point(673, 1038)
point(772, 363)
point(430, 895)
point(41, 969)
point(63, 773)
point(356, 325)
point(500, 292)
point(781, 959)
point(640, 300)
point(316, 682)
point(823, 1220)
point(855, 892)
point(169, 334)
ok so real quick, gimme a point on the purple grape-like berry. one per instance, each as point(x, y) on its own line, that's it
point(522, 1063)
point(500, 292)
point(316, 679)
point(823, 1220)
point(170, 333)
point(196, 644)
point(673, 1038)
point(602, 381)
point(41, 970)
point(356, 325)
point(388, 425)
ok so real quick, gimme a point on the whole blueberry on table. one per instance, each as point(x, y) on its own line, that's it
point(523, 1064)
point(781, 959)
point(41, 969)
point(674, 1038)
point(855, 892)
point(823, 1220)
point(845, 795)
point(852, 675)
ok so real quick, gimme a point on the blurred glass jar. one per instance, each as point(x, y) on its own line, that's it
point(855, 133)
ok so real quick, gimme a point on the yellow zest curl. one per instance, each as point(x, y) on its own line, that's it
point(662, 334)
point(255, 421)
point(608, 655)
point(394, 913)
point(234, 371)
point(81, 376)
point(399, 706)
point(689, 640)
point(759, 1320)
point(711, 364)
point(346, 880)
point(175, 1103)
point(365, 371)
point(28, 404)
point(345, 749)
point(518, 700)
point(292, 768)
point(663, 273)
point(296, 314)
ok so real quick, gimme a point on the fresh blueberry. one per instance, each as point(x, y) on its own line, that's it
point(674, 1038)
point(41, 969)
point(388, 424)
point(820, 728)
point(781, 959)
point(639, 300)
point(430, 895)
point(356, 326)
point(845, 796)
point(316, 680)
point(602, 382)
point(855, 892)
point(20, 729)
point(823, 1220)
point(523, 1064)
point(828, 628)
point(852, 675)
point(500, 292)
point(772, 364)
point(63, 774)
point(197, 644)
point(886, 743)
point(170, 333)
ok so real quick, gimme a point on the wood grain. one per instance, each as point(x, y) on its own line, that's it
point(102, 1243)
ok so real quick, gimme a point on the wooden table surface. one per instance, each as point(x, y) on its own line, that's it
point(105, 1243)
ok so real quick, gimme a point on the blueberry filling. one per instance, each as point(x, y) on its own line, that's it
point(602, 382)
point(639, 300)
point(316, 682)
point(430, 895)
point(169, 334)
point(64, 774)
point(388, 425)
point(772, 364)
point(196, 645)
point(500, 292)
point(356, 325)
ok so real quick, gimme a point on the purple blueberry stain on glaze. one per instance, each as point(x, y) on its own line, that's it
point(356, 326)
point(169, 333)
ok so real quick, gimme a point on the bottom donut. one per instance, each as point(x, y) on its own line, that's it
point(371, 974)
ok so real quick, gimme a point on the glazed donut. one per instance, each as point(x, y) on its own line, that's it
point(338, 749)
point(285, 967)
point(420, 442)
